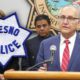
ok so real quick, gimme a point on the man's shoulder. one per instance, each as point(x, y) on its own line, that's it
point(51, 39)
point(32, 39)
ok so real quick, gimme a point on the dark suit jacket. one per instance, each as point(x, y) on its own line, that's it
point(12, 64)
point(44, 53)
point(33, 47)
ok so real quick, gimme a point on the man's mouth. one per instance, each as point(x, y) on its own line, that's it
point(66, 27)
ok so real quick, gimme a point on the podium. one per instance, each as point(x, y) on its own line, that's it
point(47, 75)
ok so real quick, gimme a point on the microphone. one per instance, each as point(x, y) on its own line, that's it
point(52, 50)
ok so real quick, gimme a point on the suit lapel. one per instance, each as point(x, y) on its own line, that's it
point(75, 52)
point(57, 58)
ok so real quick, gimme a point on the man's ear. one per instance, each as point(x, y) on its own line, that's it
point(79, 22)
point(78, 25)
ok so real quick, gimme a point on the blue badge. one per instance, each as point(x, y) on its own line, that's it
point(12, 38)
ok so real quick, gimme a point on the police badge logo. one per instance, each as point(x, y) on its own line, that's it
point(12, 38)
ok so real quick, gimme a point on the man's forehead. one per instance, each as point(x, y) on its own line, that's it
point(69, 10)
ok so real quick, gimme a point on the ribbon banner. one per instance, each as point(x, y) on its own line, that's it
point(12, 38)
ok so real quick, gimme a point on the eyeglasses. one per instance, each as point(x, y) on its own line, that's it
point(69, 18)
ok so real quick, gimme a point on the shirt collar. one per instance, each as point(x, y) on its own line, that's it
point(71, 39)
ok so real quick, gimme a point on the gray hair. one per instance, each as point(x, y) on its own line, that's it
point(2, 14)
point(76, 6)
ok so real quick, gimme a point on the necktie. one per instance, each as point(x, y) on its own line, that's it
point(65, 58)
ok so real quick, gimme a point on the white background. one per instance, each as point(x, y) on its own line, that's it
point(22, 7)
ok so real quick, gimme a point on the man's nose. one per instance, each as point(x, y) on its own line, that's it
point(41, 27)
point(66, 20)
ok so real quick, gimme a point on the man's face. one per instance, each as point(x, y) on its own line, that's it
point(42, 27)
point(68, 21)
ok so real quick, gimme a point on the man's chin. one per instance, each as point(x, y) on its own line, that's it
point(65, 32)
point(42, 35)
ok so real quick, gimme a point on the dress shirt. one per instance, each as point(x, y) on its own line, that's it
point(62, 45)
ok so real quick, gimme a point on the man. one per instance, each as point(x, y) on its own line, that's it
point(42, 25)
point(67, 43)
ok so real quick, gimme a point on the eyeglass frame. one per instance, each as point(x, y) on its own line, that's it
point(69, 18)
